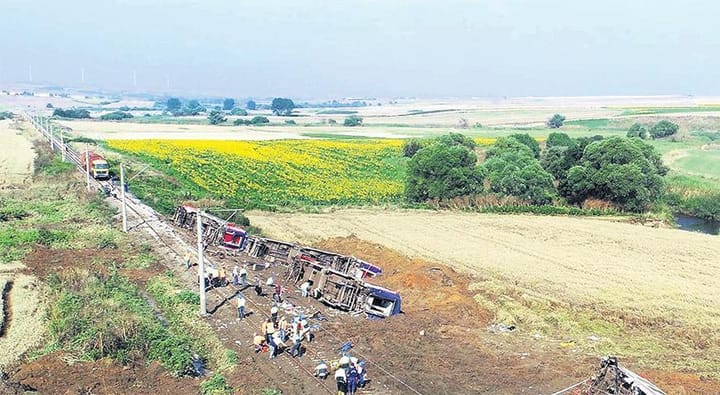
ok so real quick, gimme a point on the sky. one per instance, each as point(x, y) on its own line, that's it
point(366, 48)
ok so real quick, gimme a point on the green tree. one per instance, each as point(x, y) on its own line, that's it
point(452, 139)
point(282, 106)
point(411, 147)
point(72, 113)
point(216, 117)
point(173, 104)
point(259, 120)
point(556, 121)
point(251, 105)
point(238, 111)
point(556, 161)
point(664, 128)
point(558, 139)
point(530, 142)
point(624, 171)
point(638, 130)
point(116, 116)
point(353, 120)
point(228, 104)
point(439, 171)
point(512, 170)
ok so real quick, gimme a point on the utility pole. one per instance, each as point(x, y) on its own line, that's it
point(122, 196)
point(201, 265)
point(87, 166)
point(52, 137)
point(62, 143)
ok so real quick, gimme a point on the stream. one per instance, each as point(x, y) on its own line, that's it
point(695, 224)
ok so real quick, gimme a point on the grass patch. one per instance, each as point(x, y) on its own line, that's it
point(333, 136)
point(668, 110)
point(599, 123)
point(693, 195)
point(180, 308)
point(216, 385)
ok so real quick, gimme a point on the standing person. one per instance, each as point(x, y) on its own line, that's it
point(258, 287)
point(235, 275)
point(305, 288)
point(341, 380)
point(270, 281)
point(268, 329)
point(274, 314)
point(222, 277)
point(241, 306)
point(297, 343)
point(277, 295)
point(352, 379)
point(361, 374)
point(243, 276)
point(187, 260)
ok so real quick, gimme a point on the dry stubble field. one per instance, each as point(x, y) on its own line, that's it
point(577, 276)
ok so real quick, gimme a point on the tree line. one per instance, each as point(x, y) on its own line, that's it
point(624, 172)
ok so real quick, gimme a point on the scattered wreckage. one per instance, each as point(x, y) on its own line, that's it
point(337, 280)
point(613, 378)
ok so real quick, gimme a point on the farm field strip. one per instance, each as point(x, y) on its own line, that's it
point(270, 173)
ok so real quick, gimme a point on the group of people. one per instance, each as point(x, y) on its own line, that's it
point(279, 334)
point(349, 376)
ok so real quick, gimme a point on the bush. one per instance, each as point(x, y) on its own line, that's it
point(353, 120)
point(638, 130)
point(215, 385)
point(664, 128)
point(331, 122)
point(259, 120)
point(290, 122)
point(49, 105)
point(116, 116)
point(556, 121)
point(216, 117)
point(71, 113)
point(5, 115)
point(238, 111)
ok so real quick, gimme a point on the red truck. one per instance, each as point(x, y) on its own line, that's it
point(99, 167)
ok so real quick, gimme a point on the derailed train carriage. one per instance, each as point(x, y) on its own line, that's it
point(338, 280)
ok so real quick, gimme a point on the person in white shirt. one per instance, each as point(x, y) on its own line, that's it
point(305, 288)
point(321, 370)
point(241, 306)
point(270, 281)
point(341, 380)
point(235, 275)
point(243, 276)
point(297, 343)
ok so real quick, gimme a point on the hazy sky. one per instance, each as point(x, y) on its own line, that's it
point(382, 48)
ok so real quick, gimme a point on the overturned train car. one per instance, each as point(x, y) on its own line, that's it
point(337, 280)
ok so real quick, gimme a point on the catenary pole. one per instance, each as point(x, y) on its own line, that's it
point(123, 197)
point(87, 166)
point(201, 265)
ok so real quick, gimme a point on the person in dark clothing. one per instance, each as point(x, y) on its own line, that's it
point(352, 380)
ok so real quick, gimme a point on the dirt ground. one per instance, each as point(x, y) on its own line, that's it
point(59, 373)
point(16, 155)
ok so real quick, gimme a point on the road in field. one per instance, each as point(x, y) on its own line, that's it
point(582, 262)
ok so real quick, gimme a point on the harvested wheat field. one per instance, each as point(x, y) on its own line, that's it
point(23, 325)
point(16, 155)
point(572, 276)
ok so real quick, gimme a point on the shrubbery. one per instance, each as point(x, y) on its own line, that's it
point(116, 116)
point(75, 113)
point(353, 120)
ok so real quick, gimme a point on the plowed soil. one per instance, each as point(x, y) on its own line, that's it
point(53, 374)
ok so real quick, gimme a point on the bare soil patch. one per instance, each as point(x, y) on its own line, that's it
point(52, 374)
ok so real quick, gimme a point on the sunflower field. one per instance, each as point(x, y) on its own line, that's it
point(268, 174)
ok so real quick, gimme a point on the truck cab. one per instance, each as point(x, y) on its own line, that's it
point(99, 169)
